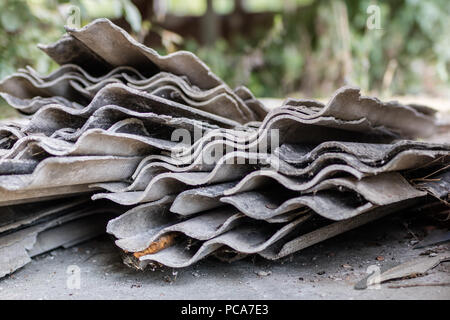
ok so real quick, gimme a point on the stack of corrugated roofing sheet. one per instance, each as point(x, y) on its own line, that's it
point(27, 230)
point(245, 181)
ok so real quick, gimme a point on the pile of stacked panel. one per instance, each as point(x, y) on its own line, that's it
point(112, 121)
point(93, 121)
point(337, 166)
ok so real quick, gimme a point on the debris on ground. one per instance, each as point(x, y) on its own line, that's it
point(264, 273)
point(435, 237)
point(411, 269)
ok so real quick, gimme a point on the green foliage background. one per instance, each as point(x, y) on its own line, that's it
point(309, 50)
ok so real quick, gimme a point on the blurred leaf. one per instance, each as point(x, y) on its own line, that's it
point(10, 21)
point(132, 15)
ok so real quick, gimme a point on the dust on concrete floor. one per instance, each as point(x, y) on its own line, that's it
point(325, 271)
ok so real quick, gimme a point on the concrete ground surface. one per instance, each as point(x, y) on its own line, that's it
point(328, 270)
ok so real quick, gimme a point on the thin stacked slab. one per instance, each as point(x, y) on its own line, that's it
point(27, 230)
